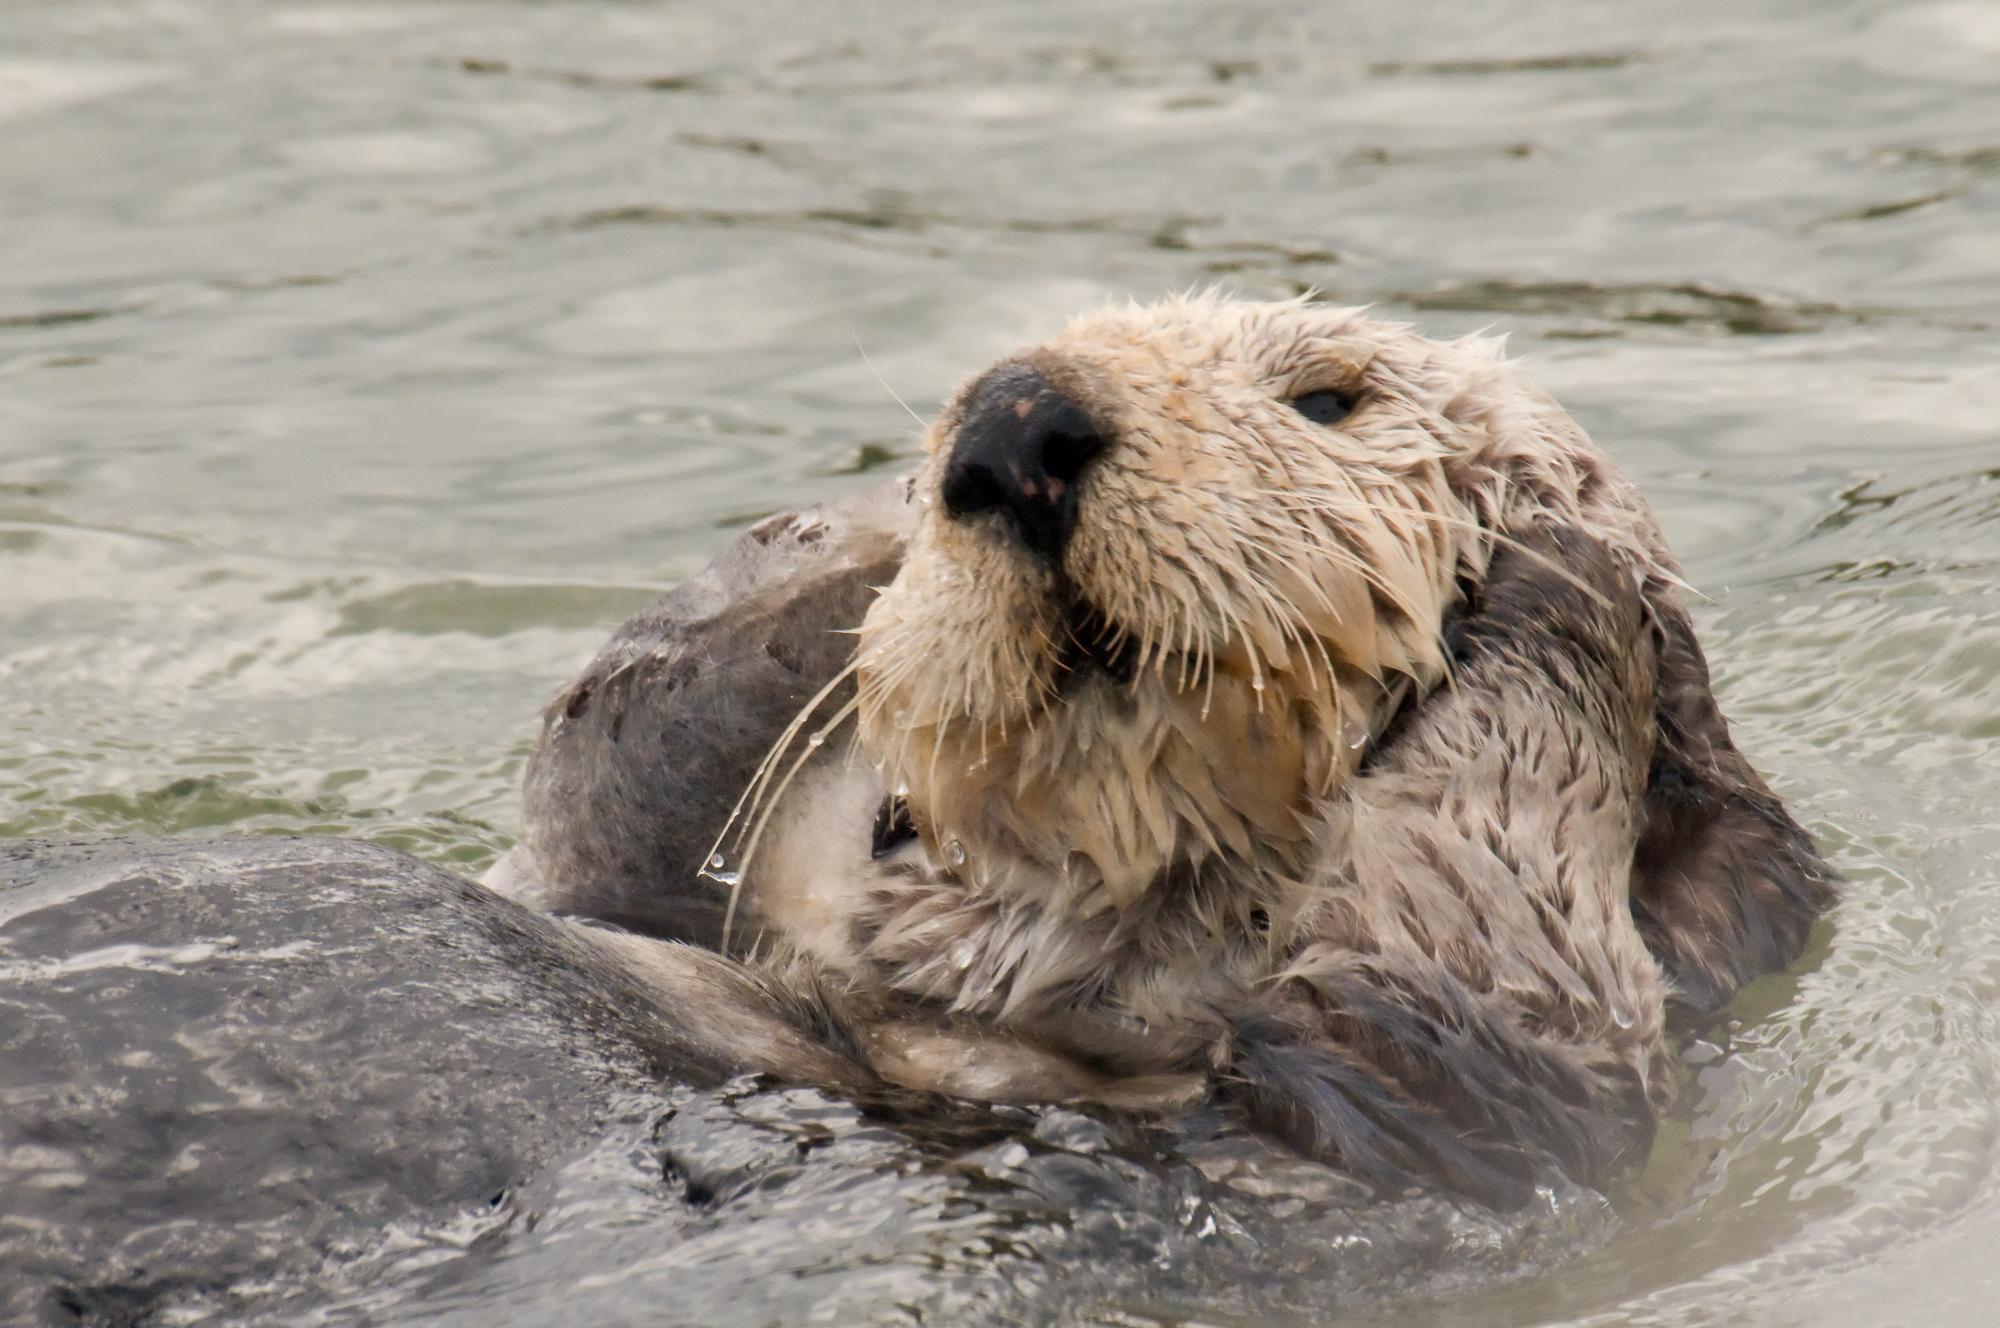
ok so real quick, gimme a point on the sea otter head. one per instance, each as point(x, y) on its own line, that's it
point(1176, 567)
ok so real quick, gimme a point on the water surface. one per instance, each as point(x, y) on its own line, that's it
point(362, 364)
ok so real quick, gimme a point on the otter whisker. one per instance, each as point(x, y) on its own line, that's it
point(1284, 625)
point(1205, 670)
point(1351, 561)
point(937, 752)
point(770, 806)
point(1502, 538)
point(753, 790)
point(922, 423)
point(1275, 544)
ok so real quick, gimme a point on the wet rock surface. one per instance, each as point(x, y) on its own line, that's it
point(237, 1065)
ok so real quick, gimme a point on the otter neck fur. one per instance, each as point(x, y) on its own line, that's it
point(1141, 987)
point(1134, 968)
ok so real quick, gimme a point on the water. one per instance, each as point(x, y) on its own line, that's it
point(361, 365)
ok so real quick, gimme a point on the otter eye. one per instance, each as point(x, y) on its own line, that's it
point(1324, 407)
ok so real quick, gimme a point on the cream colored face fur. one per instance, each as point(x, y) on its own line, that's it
point(1278, 583)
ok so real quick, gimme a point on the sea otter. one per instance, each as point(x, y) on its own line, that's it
point(1249, 701)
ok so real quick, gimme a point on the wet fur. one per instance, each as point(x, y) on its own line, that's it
point(1726, 885)
point(1408, 813)
point(642, 755)
point(1473, 962)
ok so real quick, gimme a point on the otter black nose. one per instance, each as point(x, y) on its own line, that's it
point(1020, 449)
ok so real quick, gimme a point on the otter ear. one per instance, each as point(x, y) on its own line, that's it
point(1725, 885)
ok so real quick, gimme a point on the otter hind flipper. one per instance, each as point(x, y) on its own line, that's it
point(642, 755)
